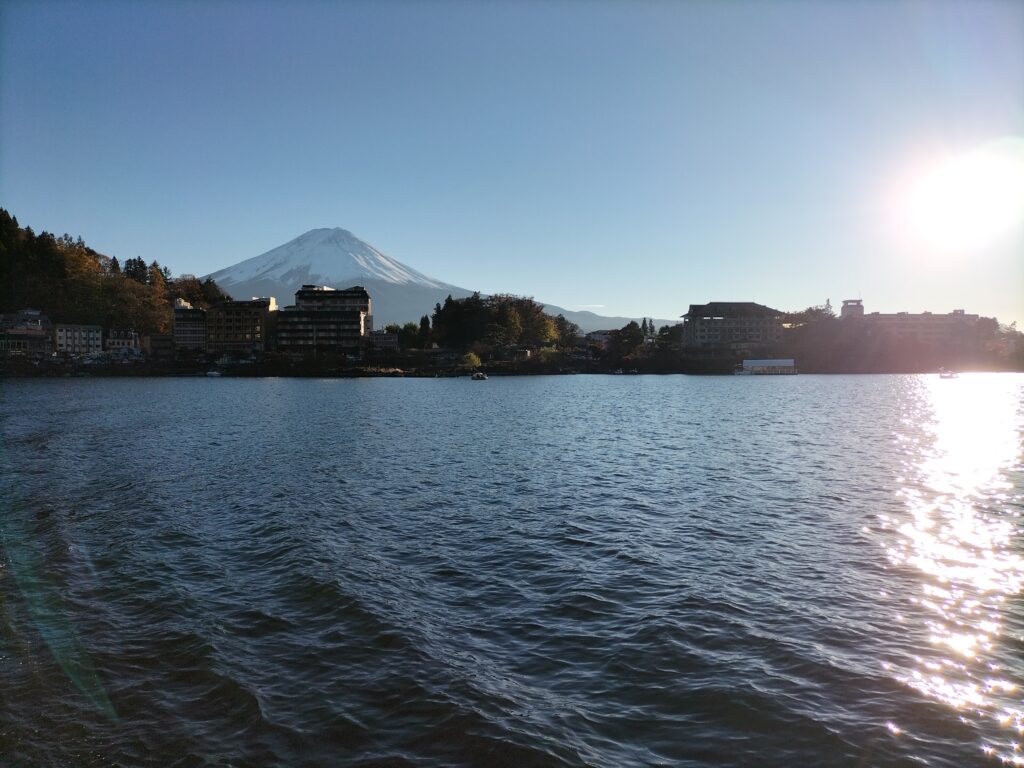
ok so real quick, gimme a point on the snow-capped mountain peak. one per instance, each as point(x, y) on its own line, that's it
point(329, 256)
point(339, 259)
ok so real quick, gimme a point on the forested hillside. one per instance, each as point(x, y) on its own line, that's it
point(71, 283)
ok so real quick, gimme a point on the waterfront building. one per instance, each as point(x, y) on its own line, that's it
point(239, 327)
point(158, 347)
point(77, 340)
point(189, 327)
point(121, 338)
point(383, 340)
point(27, 333)
point(325, 319)
point(925, 327)
point(731, 325)
point(322, 297)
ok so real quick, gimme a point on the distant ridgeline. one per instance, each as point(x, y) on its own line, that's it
point(71, 283)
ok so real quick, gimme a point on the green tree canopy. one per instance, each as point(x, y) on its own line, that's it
point(501, 320)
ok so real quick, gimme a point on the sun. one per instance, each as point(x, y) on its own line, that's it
point(962, 202)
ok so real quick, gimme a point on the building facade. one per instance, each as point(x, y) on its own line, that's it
point(325, 320)
point(239, 327)
point(159, 347)
point(189, 327)
point(322, 298)
point(383, 340)
point(731, 325)
point(76, 340)
point(27, 333)
point(121, 338)
point(924, 327)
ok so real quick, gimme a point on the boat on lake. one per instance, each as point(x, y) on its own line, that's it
point(945, 373)
point(479, 376)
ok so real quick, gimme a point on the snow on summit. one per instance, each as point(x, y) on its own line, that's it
point(339, 259)
point(329, 256)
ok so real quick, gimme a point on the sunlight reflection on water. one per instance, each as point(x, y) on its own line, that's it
point(960, 536)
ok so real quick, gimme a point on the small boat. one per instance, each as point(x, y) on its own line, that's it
point(479, 376)
point(213, 373)
point(946, 374)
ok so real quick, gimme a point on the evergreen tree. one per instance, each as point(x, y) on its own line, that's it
point(408, 336)
point(424, 339)
point(136, 269)
point(212, 292)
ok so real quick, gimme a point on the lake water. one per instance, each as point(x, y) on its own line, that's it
point(537, 571)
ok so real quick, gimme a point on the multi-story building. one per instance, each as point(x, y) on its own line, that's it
point(119, 338)
point(731, 325)
point(325, 320)
point(239, 327)
point(26, 333)
point(383, 340)
point(925, 327)
point(321, 297)
point(158, 347)
point(189, 327)
point(76, 340)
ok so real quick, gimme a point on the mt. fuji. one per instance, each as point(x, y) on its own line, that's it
point(337, 258)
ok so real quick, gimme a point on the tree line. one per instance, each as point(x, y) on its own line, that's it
point(482, 324)
point(71, 283)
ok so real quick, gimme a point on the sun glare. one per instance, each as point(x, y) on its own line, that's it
point(959, 533)
point(961, 202)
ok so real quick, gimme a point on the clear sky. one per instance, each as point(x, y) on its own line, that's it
point(628, 157)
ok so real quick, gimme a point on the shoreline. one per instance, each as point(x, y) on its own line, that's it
point(256, 371)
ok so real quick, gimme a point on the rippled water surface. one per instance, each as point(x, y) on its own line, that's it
point(542, 571)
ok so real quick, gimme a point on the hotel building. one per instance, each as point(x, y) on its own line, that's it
point(239, 327)
point(76, 340)
point(731, 324)
point(925, 327)
point(189, 327)
point(325, 319)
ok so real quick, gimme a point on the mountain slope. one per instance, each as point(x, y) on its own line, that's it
point(337, 258)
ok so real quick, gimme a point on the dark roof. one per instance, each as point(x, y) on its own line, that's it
point(731, 309)
point(319, 290)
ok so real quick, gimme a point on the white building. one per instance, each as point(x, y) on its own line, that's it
point(75, 340)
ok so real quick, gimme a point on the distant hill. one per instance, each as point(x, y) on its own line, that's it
point(337, 258)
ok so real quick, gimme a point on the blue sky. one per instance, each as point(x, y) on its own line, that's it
point(628, 157)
